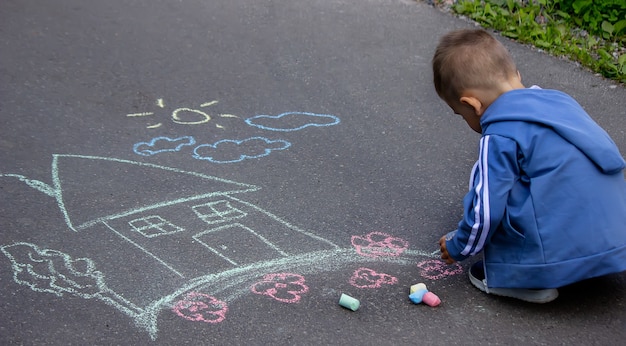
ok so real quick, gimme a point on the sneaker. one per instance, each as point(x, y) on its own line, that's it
point(477, 278)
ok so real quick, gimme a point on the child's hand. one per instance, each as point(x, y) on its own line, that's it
point(444, 251)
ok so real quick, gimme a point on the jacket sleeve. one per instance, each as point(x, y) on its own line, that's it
point(485, 203)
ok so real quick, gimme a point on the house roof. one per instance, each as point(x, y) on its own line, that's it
point(92, 189)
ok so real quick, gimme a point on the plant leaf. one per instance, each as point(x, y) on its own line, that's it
point(607, 27)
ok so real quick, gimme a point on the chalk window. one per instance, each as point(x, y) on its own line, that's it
point(152, 226)
point(218, 211)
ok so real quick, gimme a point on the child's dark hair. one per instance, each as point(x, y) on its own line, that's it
point(469, 58)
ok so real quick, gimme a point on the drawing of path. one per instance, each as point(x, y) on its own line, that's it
point(193, 240)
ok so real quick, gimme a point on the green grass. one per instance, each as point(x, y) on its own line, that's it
point(594, 36)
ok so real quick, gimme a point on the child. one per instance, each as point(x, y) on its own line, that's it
point(547, 199)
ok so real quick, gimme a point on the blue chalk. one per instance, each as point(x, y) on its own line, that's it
point(417, 296)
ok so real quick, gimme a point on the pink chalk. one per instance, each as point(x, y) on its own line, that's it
point(431, 299)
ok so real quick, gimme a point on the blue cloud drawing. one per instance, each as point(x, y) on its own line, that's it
point(162, 144)
point(231, 150)
point(291, 121)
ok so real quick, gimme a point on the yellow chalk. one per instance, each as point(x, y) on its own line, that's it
point(417, 287)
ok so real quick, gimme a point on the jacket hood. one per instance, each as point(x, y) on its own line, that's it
point(564, 115)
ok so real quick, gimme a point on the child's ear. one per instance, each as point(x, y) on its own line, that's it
point(473, 102)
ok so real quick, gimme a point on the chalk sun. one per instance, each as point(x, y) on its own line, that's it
point(184, 115)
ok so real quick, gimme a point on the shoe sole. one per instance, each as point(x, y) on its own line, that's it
point(527, 295)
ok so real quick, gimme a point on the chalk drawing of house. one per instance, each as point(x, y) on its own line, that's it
point(155, 233)
point(159, 226)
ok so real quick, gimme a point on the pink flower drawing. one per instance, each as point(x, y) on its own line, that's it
point(368, 278)
point(201, 307)
point(284, 287)
point(378, 244)
point(437, 269)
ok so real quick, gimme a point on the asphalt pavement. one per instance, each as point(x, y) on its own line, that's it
point(220, 172)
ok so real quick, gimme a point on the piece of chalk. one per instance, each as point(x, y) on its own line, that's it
point(348, 302)
point(417, 296)
point(431, 299)
point(417, 287)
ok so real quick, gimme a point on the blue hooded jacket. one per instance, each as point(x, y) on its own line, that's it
point(547, 199)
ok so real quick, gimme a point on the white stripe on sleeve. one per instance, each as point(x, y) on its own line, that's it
point(473, 175)
point(482, 201)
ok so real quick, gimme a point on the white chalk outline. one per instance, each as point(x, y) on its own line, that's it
point(176, 119)
point(159, 226)
point(197, 237)
point(58, 192)
point(71, 286)
point(218, 215)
